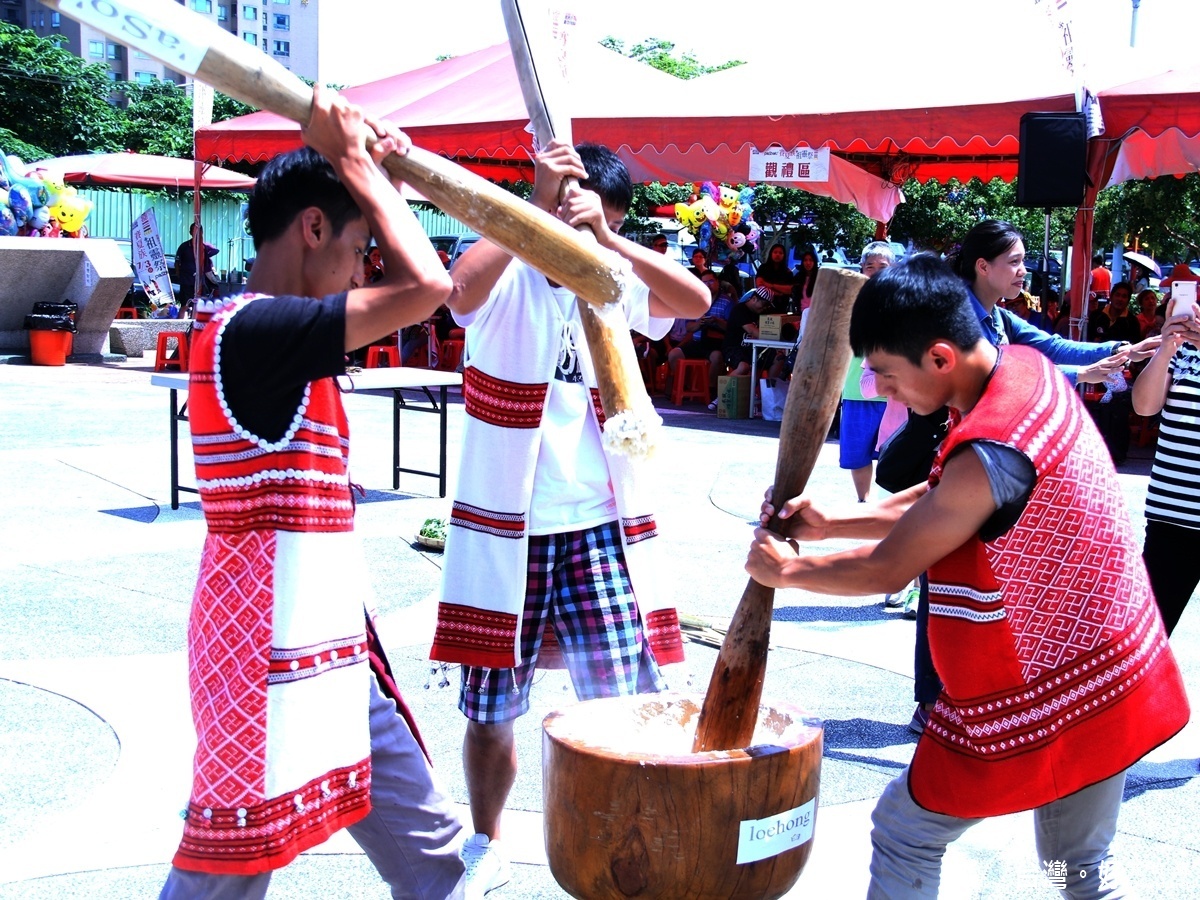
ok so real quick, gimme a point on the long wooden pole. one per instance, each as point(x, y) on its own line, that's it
point(196, 46)
point(730, 709)
point(614, 361)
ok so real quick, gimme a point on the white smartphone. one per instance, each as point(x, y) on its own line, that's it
point(1183, 299)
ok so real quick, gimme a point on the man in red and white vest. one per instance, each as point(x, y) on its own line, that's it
point(1055, 662)
point(300, 730)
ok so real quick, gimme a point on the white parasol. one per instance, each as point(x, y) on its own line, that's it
point(1144, 261)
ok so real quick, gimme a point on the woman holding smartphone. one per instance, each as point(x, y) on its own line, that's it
point(1170, 383)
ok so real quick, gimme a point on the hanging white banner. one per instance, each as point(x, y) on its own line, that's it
point(777, 164)
point(149, 259)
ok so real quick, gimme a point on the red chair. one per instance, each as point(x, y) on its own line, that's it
point(376, 353)
point(691, 381)
point(180, 362)
point(450, 354)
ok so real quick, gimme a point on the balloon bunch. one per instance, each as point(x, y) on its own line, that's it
point(35, 203)
point(716, 215)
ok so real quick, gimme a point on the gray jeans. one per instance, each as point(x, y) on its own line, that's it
point(1073, 837)
point(409, 835)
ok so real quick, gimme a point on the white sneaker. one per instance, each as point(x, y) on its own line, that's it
point(487, 868)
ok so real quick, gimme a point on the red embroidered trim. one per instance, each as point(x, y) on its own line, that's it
point(639, 528)
point(664, 636)
point(476, 637)
point(1004, 724)
point(598, 406)
point(294, 664)
point(506, 404)
point(498, 524)
point(270, 835)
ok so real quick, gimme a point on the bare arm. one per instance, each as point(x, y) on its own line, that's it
point(476, 272)
point(935, 525)
point(674, 291)
point(415, 283)
point(1151, 386)
point(805, 520)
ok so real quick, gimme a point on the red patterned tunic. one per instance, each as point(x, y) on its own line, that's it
point(1056, 667)
point(277, 642)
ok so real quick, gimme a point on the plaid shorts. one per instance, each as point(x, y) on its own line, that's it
point(578, 584)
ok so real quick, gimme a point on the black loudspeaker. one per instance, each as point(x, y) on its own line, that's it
point(1052, 168)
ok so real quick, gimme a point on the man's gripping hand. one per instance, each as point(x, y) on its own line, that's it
point(554, 164)
point(801, 519)
point(337, 129)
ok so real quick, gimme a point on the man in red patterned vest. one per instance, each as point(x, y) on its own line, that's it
point(1057, 672)
point(300, 730)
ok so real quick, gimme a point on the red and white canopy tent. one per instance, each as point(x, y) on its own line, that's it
point(922, 97)
point(939, 104)
point(469, 109)
point(1151, 128)
point(141, 170)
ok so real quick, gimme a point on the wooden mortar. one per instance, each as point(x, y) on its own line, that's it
point(631, 812)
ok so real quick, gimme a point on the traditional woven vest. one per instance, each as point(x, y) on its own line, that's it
point(1055, 663)
point(298, 483)
point(277, 647)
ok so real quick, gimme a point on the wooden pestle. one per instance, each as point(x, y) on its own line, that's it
point(730, 708)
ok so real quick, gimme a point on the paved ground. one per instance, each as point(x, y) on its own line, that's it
point(96, 572)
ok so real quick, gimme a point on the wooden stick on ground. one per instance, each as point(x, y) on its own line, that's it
point(730, 709)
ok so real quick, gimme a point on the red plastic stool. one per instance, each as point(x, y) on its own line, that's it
point(375, 352)
point(691, 381)
point(450, 355)
point(127, 312)
point(180, 362)
point(660, 378)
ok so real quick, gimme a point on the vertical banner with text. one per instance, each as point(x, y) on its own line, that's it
point(149, 260)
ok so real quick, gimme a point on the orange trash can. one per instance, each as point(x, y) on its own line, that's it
point(51, 328)
point(50, 348)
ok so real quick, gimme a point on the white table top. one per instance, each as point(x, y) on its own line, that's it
point(778, 345)
point(366, 380)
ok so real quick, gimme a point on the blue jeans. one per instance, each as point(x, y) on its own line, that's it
point(1074, 833)
point(409, 835)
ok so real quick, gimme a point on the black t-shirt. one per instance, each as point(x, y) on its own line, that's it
point(735, 327)
point(271, 349)
point(1100, 329)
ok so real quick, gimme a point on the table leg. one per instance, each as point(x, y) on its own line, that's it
point(174, 448)
point(395, 440)
point(753, 380)
point(442, 445)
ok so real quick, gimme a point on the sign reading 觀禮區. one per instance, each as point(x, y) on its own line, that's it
point(153, 29)
point(764, 838)
point(800, 164)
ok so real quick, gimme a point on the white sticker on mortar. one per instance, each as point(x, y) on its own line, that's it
point(143, 27)
point(89, 273)
point(764, 838)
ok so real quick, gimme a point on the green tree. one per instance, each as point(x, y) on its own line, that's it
point(50, 100)
point(935, 216)
point(805, 219)
point(660, 54)
point(1160, 216)
point(158, 119)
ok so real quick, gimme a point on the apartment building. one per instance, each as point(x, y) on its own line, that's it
point(285, 30)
